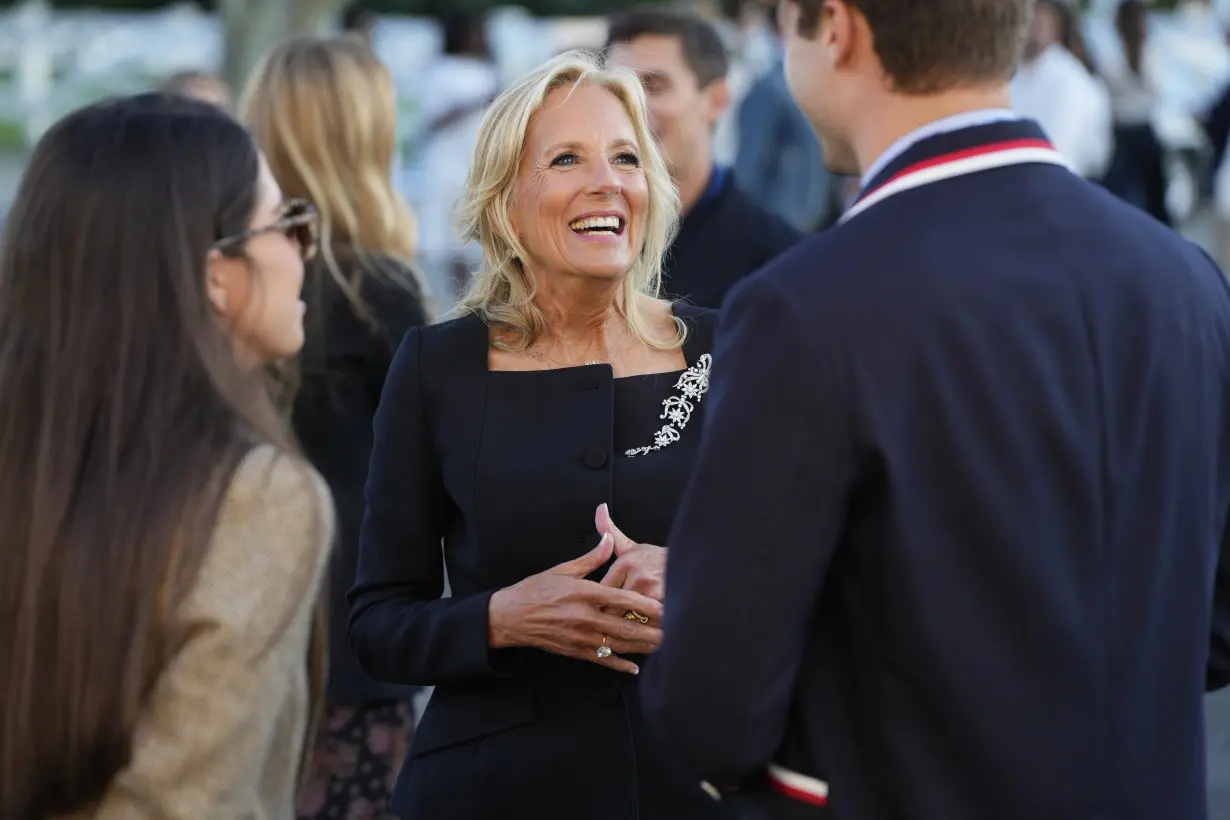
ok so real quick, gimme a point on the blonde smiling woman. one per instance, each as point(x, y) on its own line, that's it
point(564, 397)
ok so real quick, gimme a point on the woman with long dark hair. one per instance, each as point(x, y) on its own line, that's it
point(164, 542)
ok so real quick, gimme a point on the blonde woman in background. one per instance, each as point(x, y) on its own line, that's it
point(323, 111)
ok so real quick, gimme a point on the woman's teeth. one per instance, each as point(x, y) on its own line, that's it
point(596, 224)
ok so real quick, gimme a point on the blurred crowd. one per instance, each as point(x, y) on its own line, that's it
point(726, 100)
point(386, 249)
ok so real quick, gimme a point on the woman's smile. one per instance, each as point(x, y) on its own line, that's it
point(600, 226)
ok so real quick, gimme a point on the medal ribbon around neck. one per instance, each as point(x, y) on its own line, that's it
point(959, 164)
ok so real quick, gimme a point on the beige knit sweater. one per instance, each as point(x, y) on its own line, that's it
point(225, 726)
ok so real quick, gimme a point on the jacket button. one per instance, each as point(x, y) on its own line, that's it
point(595, 458)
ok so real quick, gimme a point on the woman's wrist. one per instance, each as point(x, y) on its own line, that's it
point(499, 636)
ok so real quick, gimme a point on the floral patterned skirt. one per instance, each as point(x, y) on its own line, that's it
point(354, 764)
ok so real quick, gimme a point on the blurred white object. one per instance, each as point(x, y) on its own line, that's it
point(35, 68)
point(517, 42)
point(454, 92)
point(1072, 106)
point(566, 33)
point(1182, 190)
point(406, 45)
point(1192, 57)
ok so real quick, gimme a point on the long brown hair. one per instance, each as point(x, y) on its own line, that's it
point(125, 415)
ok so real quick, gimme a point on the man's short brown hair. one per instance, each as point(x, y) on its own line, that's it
point(933, 45)
point(703, 49)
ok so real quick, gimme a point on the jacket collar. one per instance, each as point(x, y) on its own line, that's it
point(951, 142)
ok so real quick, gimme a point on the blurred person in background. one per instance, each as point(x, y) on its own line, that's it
point(199, 85)
point(323, 111)
point(1057, 85)
point(1215, 123)
point(740, 74)
point(779, 161)
point(562, 393)
point(1221, 204)
point(757, 20)
point(359, 20)
point(457, 87)
point(164, 541)
point(725, 233)
point(751, 51)
point(1137, 173)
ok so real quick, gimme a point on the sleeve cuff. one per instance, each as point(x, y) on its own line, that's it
point(475, 612)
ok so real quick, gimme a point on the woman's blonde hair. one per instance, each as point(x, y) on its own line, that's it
point(501, 291)
point(324, 111)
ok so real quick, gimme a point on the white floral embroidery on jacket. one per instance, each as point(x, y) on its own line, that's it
point(678, 409)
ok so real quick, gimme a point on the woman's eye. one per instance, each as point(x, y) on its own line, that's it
point(565, 160)
point(628, 158)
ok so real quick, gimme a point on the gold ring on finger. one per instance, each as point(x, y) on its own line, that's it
point(604, 651)
point(633, 615)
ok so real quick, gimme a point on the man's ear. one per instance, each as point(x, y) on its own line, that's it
point(839, 29)
point(717, 99)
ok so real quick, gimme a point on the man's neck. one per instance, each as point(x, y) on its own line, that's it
point(693, 180)
point(897, 115)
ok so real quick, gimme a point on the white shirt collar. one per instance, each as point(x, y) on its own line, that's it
point(956, 122)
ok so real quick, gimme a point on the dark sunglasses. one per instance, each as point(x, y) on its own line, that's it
point(299, 220)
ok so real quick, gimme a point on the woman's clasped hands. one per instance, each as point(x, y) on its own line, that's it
point(559, 611)
point(638, 567)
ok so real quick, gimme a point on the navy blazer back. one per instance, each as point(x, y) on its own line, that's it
point(990, 481)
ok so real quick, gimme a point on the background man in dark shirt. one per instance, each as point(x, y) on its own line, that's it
point(725, 234)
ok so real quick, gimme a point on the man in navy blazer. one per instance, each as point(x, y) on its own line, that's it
point(956, 544)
